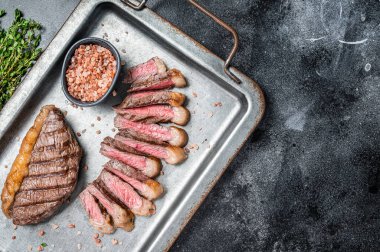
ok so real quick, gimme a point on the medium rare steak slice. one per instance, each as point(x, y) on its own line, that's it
point(156, 114)
point(159, 134)
point(172, 78)
point(51, 173)
point(147, 187)
point(119, 145)
point(121, 217)
point(151, 167)
point(142, 99)
point(99, 218)
point(143, 71)
point(171, 154)
point(126, 194)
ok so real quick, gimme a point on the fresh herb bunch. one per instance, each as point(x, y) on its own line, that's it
point(18, 52)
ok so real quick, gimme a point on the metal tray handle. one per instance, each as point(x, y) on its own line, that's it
point(227, 62)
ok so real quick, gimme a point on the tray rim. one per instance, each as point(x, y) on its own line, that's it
point(252, 84)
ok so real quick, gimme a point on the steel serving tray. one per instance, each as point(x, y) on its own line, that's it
point(219, 132)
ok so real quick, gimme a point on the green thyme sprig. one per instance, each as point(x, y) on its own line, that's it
point(18, 52)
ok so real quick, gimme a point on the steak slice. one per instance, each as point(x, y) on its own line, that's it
point(147, 187)
point(25, 198)
point(156, 114)
point(141, 72)
point(119, 145)
point(142, 99)
point(33, 214)
point(99, 218)
point(156, 133)
point(126, 194)
point(55, 166)
point(172, 78)
point(151, 167)
point(52, 172)
point(52, 181)
point(122, 218)
point(55, 152)
point(171, 154)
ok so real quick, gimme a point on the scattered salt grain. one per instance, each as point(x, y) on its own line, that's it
point(194, 146)
point(71, 225)
point(210, 114)
point(41, 233)
point(79, 246)
point(98, 242)
point(54, 226)
point(79, 233)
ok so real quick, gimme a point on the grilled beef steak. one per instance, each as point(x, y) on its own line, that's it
point(171, 154)
point(122, 218)
point(172, 78)
point(99, 218)
point(156, 133)
point(151, 167)
point(156, 114)
point(51, 173)
point(147, 187)
point(142, 99)
point(126, 194)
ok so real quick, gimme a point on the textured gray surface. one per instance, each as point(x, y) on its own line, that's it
point(308, 178)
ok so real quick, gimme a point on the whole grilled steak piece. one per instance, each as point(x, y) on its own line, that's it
point(172, 78)
point(51, 173)
point(110, 148)
point(99, 218)
point(121, 217)
point(171, 154)
point(143, 71)
point(126, 194)
point(156, 114)
point(147, 187)
point(156, 133)
point(142, 99)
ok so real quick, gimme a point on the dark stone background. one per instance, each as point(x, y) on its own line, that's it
point(308, 179)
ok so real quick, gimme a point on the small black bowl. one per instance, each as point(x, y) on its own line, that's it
point(70, 53)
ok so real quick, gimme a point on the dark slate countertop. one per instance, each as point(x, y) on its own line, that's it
point(308, 178)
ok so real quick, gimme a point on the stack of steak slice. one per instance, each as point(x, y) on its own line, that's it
point(45, 172)
point(126, 185)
